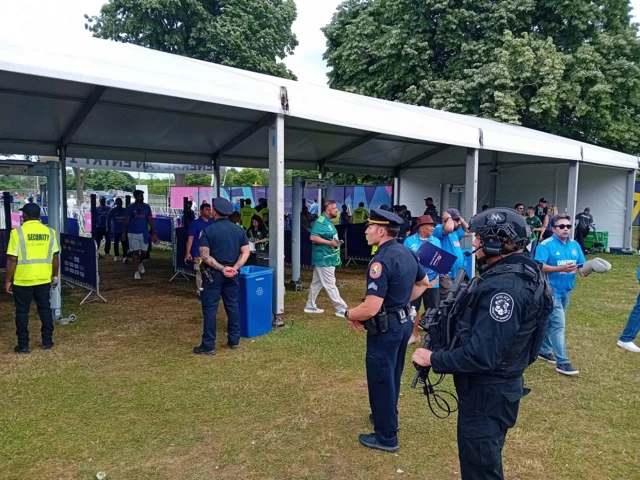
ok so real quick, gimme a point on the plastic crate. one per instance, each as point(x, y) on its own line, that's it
point(255, 301)
point(603, 237)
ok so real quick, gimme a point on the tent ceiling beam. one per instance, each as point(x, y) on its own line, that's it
point(81, 115)
point(234, 142)
point(347, 148)
point(418, 158)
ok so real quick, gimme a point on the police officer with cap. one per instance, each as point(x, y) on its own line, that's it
point(32, 270)
point(501, 319)
point(224, 249)
point(393, 273)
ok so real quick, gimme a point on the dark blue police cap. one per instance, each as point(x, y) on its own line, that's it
point(222, 206)
point(383, 217)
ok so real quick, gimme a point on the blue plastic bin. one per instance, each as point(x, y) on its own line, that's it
point(255, 301)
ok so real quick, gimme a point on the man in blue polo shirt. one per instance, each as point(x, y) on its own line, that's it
point(140, 226)
point(193, 248)
point(561, 258)
point(452, 230)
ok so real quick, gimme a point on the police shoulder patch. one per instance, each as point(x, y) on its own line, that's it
point(375, 270)
point(501, 307)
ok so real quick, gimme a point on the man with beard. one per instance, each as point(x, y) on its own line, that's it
point(325, 257)
point(452, 230)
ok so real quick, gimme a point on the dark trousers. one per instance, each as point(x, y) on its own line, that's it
point(100, 234)
point(117, 240)
point(581, 234)
point(430, 299)
point(385, 363)
point(210, 297)
point(22, 297)
point(485, 414)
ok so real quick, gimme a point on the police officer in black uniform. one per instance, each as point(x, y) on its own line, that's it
point(224, 249)
point(501, 319)
point(393, 273)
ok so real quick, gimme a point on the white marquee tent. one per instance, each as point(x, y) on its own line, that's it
point(106, 100)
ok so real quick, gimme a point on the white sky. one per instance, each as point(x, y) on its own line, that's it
point(67, 16)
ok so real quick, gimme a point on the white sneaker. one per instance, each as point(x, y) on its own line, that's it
point(115, 259)
point(141, 268)
point(632, 347)
point(136, 276)
point(125, 260)
point(313, 310)
point(414, 339)
point(340, 313)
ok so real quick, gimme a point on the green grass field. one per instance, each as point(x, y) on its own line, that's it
point(122, 394)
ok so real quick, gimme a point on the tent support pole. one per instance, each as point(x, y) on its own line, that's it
point(396, 189)
point(321, 174)
point(216, 176)
point(444, 197)
point(62, 190)
point(628, 217)
point(296, 209)
point(53, 206)
point(494, 179)
point(471, 190)
point(572, 192)
point(276, 211)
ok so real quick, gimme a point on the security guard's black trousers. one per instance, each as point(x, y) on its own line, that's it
point(227, 288)
point(385, 362)
point(22, 297)
point(486, 412)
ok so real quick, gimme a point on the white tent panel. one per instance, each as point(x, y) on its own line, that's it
point(604, 191)
point(526, 184)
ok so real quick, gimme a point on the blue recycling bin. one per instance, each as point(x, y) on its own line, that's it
point(255, 301)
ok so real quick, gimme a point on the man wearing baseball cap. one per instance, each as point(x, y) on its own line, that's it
point(32, 270)
point(541, 209)
point(585, 224)
point(452, 230)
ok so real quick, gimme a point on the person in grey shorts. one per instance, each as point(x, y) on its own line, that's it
point(140, 228)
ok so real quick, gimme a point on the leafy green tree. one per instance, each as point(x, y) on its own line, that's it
point(98, 180)
point(247, 177)
point(568, 67)
point(248, 34)
point(198, 180)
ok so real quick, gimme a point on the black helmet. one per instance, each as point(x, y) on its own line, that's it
point(496, 224)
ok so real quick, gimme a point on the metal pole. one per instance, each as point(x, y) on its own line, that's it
point(494, 180)
point(471, 192)
point(572, 192)
point(396, 189)
point(444, 197)
point(216, 176)
point(628, 216)
point(62, 192)
point(276, 211)
point(321, 177)
point(296, 207)
point(328, 190)
point(55, 220)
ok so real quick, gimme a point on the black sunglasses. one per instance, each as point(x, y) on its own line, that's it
point(564, 226)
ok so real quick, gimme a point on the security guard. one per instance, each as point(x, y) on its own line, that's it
point(360, 214)
point(501, 320)
point(224, 248)
point(246, 214)
point(32, 270)
point(392, 274)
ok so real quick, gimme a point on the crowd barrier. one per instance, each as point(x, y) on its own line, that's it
point(79, 264)
point(4, 243)
point(180, 267)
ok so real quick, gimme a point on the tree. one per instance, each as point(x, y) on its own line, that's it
point(198, 180)
point(248, 34)
point(568, 67)
point(247, 177)
point(100, 180)
point(80, 175)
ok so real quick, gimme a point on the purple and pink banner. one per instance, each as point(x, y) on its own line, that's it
point(371, 196)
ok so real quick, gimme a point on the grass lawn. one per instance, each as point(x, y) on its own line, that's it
point(122, 394)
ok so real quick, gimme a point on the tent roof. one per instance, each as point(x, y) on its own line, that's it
point(118, 101)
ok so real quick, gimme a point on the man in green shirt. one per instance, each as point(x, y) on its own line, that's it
point(325, 256)
point(536, 228)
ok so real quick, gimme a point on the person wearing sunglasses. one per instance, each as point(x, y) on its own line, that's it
point(562, 258)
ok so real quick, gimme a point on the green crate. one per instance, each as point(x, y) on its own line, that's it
point(603, 237)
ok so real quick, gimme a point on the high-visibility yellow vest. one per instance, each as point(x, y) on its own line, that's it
point(246, 213)
point(34, 244)
point(360, 215)
point(264, 213)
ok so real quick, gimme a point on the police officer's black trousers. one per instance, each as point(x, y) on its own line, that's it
point(22, 297)
point(385, 362)
point(227, 288)
point(486, 413)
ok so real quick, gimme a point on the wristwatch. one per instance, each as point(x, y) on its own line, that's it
point(346, 314)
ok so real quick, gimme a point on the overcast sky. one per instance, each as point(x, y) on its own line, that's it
point(67, 16)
